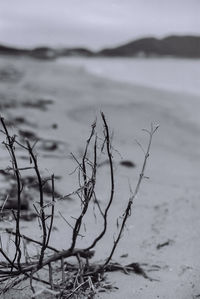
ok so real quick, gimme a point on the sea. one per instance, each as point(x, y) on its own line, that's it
point(171, 74)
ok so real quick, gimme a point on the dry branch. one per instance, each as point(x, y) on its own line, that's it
point(84, 274)
point(105, 214)
point(88, 187)
point(42, 212)
point(128, 208)
point(11, 149)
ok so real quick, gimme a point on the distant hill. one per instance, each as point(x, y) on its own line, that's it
point(76, 52)
point(4, 50)
point(176, 46)
point(45, 52)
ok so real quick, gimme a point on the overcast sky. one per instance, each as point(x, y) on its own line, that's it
point(94, 23)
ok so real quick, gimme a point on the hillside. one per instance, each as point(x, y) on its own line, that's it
point(176, 46)
point(45, 52)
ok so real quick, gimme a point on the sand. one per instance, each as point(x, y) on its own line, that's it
point(167, 207)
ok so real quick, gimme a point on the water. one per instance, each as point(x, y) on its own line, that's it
point(179, 75)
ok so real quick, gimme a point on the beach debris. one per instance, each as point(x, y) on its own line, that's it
point(167, 243)
point(38, 104)
point(54, 126)
point(10, 74)
point(28, 134)
point(127, 163)
point(49, 145)
point(124, 255)
point(10, 201)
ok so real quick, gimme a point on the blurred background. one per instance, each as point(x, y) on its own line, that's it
point(87, 28)
point(92, 23)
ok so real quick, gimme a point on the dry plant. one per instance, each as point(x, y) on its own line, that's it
point(83, 277)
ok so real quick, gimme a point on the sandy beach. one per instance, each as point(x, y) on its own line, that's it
point(57, 104)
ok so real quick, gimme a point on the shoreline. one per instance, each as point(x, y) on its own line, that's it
point(121, 70)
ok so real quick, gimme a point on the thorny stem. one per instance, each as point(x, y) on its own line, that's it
point(42, 213)
point(87, 194)
point(31, 240)
point(52, 211)
point(12, 270)
point(128, 209)
point(108, 146)
point(11, 150)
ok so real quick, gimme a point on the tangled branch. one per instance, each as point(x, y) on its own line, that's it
point(85, 275)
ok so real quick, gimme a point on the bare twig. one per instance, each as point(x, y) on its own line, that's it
point(11, 149)
point(108, 146)
point(42, 212)
point(128, 209)
point(50, 275)
point(52, 211)
point(31, 240)
point(76, 289)
point(86, 191)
